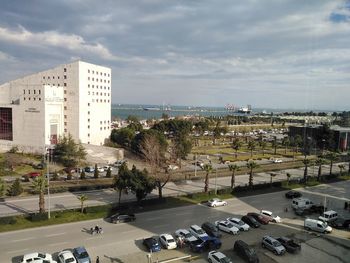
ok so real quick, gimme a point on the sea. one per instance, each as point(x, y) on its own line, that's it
point(144, 112)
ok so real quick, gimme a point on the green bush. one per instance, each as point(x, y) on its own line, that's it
point(96, 209)
point(9, 220)
point(15, 189)
point(38, 217)
point(60, 189)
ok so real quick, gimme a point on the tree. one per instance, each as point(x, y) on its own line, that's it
point(286, 143)
point(348, 154)
point(154, 153)
point(298, 140)
point(122, 180)
point(96, 172)
point(274, 145)
point(40, 185)
point(123, 136)
point(306, 163)
point(263, 146)
point(332, 156)
point(271, 176)
point(182, 146)
point(141, 183)
point(137, 142)
point(15, 189)
point(2, 187)
point(109, 173)
point(288, 178)
point(233, 168)
point(68, 152)
point(319, 162)
point(251, 165)
point(341, 168)
point(236, 145)
point(82, 175)
point(208, 168)
point(69, 175)
point(82, 198)
point(251, 146)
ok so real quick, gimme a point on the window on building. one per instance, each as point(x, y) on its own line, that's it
point(34, 98)
point(88, 112)
point(65, 91)
point(105, 74)
point(65, 84)
point(88, 92)
point(65, 124)
point(93, 86)
point(100, 128)
point(108, 75)
point(93, 72)
point(48, 77)
point(40, 99)
point(65, 130)
point(65, 116)
point(88, 126)
point(34, 91)
point(65, 99)
point(88, 104)
point(29, 91)
point(64, 70)
point(88, 70)
point(58, 85)
point(93, 79)
point(24, 91)
point(88, 120)
point(65, 107)
point(43, 77)
point(65, 76)
point(88, 134)
point(88, 78)
point(24, 98)
point(88, 85)
point(29, 98)
point(53, 77)
point(39, 91)
point(58, 77)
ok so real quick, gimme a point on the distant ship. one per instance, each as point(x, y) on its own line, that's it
point(245, 110)
point(151, 108)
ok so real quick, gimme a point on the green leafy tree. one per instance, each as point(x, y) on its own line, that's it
point(208, 168)
point(288, 178)
point(182, 146)
point(141, 183)
point(40, 186)
point(297, 142)
point(138, 141)
point(332, 156)
point(236, 145)
point(68, 152)
point(82, 198)
point(306, 163)
point(251, 146)
point(123, 136)
point(2, 187)
point(319, 162)
point(251, 165)
point(16, 188)
point(263, 145)
point(96, 172)
point(233, 168)
point(109, 173)
point(132, 119)
point(82, 175)
point(122, 180)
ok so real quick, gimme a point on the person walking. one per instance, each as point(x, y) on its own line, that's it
point(98, 259)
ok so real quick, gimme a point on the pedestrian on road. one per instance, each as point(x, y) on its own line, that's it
point(98, 259)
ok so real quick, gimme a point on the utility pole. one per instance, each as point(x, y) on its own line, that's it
point(195, 165)
point(216, 173)
point(48, 181)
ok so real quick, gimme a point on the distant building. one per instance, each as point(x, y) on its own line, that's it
point(71, 99)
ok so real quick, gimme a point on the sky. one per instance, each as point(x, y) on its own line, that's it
point(270, 54)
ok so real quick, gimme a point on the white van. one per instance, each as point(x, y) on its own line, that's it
point(328, 216)
point(303, 203)
point(317, 225)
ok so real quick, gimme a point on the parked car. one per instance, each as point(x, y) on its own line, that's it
point(251, 221)
point(211, 229)
point(32, 257)
point(173, 167)
point(120, 162)
point(201, 245)
point(273, 245)
point(260, 218)
point(278, 161)
point(216, 202)
point(122, 218)
point(69, 170)
point(168, 241)
point(198, 232)
point(341, 223)
point(33, 175)
point(319, 209)
point(81, 255)
point(151, 244)
point(106, 167)
point(317, 225)
point(185, 234)
point(304, 203)
point(293, 194)
point(227, 227)
point(100, 169)
point(66, 256)
point(245, 251)
point(238, 223)
point(289, 244)
point(218, 257)
point(89, 169)
point(328, 216)
point(271, 216)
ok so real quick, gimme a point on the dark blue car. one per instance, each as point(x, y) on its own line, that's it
point(200, 245)
point(152, 244)
point(81, 255)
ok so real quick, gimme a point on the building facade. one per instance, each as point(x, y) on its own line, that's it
point(70, 99)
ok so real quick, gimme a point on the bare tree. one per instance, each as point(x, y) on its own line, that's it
point(153, 153)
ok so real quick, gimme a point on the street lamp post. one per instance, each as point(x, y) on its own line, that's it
point(216, 173)
point(48, 181)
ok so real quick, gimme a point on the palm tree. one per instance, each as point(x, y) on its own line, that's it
point(288, 178)
point(286, 143)
point(341, 168)
point(237, 144)
point(263, 146)
point(319, 162)
point(332, 156)
point(251, 165)
point(271, 176)
point(306, 163)
point(251, 147)
point(82, 198)
point(297, 142)
point(233, 168)
point(40, 185)
point(208, 168)
point(274, 144)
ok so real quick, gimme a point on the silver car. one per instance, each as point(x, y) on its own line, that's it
point(272, 244)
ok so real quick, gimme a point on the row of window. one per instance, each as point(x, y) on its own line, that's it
point(102, 74)
point(101, 94)
point(101, 80)
point(53, 77)
point(33, 92)
point(100, 100)
point(29, 98)
point(93, 86)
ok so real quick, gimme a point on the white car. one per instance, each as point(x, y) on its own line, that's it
point(66, 256)
point(198, 232)
point(216, 202)
point(239, 224)
point(273, 218)
point(185, 234)
point(105, 168)
point(173, 167)
point(277, 161)
point(37, 257)
point(218, 257)
point(100, 169)
point(167, 241)
point(227, 227)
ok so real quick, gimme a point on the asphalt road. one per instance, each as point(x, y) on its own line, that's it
point(122, 242)
point(12, 206)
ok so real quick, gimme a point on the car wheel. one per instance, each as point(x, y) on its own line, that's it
point(225, 204)
point(241, 229)
point(214, 205)
point(275, 252)
point(209, 260)
point(307, 228)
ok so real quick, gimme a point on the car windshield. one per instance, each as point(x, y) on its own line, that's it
point(187, 235)
point(229, 225)
point(68, 260)
point(171, 240)
point(83, 255)
point(241, 223)
point(40, 255)
point(276, 243)
point(200, 232)
point(225, 260)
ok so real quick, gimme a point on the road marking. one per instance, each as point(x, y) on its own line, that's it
point(23, 239)
point(54, 235)
point(16, 251)
point(59, 243)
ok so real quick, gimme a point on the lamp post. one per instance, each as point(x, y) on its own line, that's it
point(48, 150)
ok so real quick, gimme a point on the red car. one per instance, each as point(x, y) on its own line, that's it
point(33, 174)
point(260, 218)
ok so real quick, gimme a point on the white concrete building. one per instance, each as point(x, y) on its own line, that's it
point(71, 99)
